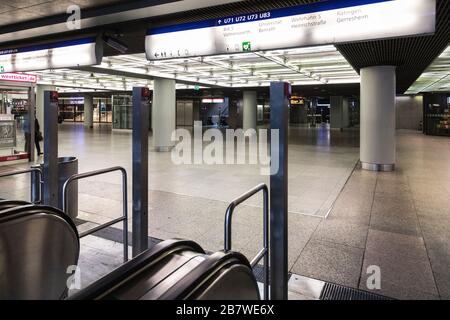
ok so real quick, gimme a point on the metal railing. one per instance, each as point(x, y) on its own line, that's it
point(123, 218)
point(36, 190)
point(264, 252)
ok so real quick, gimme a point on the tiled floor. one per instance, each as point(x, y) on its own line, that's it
point(398, 221)
point(190, 200)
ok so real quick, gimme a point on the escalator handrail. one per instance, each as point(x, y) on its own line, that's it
point(187, 286)
point(34, 169)
point(12, 204)
point(131, 269)
point(30, 209)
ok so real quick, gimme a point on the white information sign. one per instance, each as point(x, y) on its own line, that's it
point(328, 22)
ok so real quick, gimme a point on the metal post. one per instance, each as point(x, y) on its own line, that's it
point(35, 185)
point(51, 148)
point(141, 97)
point(125, 214)
point(32, 116)
point(264, 253)
point(266, 243)
point(279, 103)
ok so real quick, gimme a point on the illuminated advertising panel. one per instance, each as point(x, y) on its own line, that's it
point(64, 54)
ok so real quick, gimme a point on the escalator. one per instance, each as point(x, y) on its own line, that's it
point(177, 270)
point(8, 204)
point(181, 270)
point(39, 243)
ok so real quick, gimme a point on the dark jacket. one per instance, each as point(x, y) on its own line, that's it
point(37, 127)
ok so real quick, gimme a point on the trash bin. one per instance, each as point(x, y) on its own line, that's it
point(67, 167)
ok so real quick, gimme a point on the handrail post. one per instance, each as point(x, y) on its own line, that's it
point(266, 241)
point(124, 217)
point(228, 233)
point(264, 253)
point(35, 185)
point(125, 213)
point(65, 200)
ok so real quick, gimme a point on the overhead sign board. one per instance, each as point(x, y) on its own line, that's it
point(64, 54)
point(326, 22)
point(18, 77)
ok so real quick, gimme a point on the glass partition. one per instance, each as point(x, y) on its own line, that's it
point(14, 124)
point(436, 114)
point(122, 111)
point(103, 110)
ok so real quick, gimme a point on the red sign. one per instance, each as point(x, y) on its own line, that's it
point(53, 96)
point(18, 77)
point(14, 157)
point(146, 93)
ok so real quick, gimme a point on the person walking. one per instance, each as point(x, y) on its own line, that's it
point(37, 136)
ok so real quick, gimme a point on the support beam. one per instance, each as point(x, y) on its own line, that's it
point(141, 106)
point(50, 196)
point(40, 89)
point(164, 114)
point(279, 120)
point(339, 112)
point(32, 117)
point(377, 145)
point(88, 111)
point(250, 110)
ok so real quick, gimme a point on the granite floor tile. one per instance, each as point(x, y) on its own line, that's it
point(342, 232)
point(412, 274)
point(330, 262)
point(396, 244)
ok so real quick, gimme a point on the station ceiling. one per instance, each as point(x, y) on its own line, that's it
point(411, 55)
point(436, 77)
point(17, 11)
point(302, 66)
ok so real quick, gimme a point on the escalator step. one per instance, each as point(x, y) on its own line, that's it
point(258, 271)
point(115, 234)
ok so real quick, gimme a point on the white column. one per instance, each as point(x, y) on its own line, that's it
point(336, 121)
point(377, 141)
point(339, 112)
point(88, 111)
point(345, 113)
point(40, 103)
point(250, 110)
point(163, 113)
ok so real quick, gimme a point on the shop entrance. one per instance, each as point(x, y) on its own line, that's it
point(71, 109)
point(15, 127)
